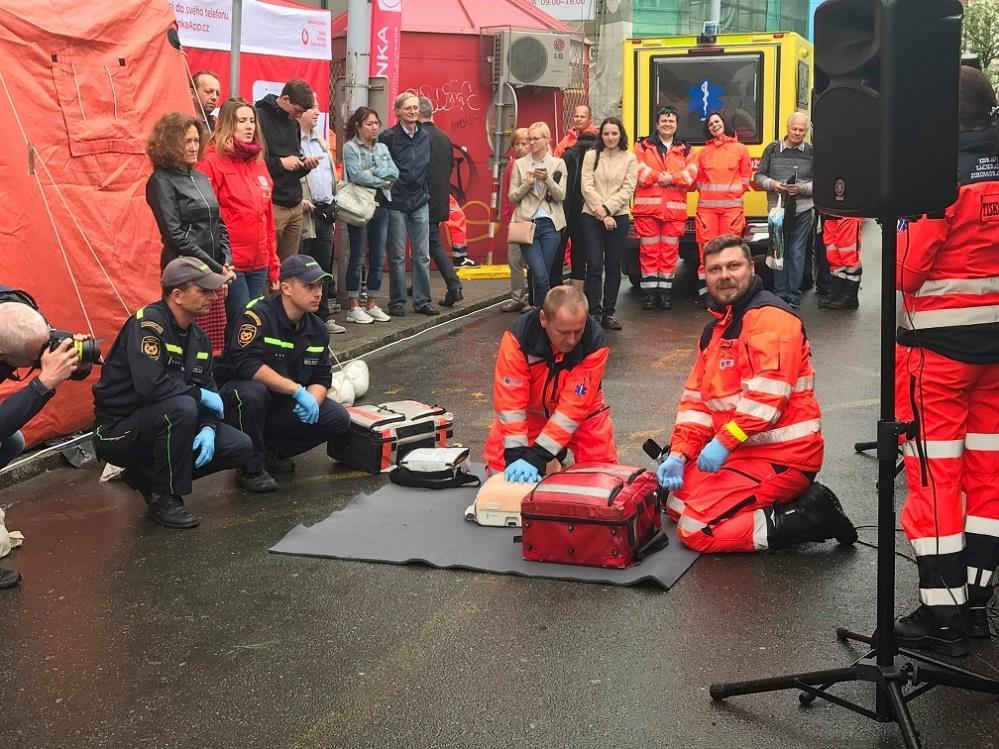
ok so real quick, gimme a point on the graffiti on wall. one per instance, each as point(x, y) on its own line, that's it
point(451, 96)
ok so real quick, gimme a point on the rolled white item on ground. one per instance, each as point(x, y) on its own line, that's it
point(357, 371)
point(341, 389)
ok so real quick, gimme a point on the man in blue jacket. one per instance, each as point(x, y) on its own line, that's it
point(408, 209)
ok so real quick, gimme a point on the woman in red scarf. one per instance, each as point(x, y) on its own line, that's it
point(234, 164)
point(723, 174)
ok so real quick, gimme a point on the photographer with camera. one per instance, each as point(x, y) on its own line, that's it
point(27, 341)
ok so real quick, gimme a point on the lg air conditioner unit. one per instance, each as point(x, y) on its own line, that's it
point(536, 58)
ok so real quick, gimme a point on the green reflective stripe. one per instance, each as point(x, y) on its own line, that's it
point(174, 349)
point(138, 315)
point(277, 342)
point(316, 349)
point(202, 354)
point(252, 302)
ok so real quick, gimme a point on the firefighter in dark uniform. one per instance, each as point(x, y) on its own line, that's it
point(157, 411)
point(276, 373)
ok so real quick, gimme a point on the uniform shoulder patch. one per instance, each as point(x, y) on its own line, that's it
point(151, 346)
point(246, 334)
point(254, 316)
point(152, 325)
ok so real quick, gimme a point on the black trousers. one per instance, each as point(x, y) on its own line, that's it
point(320, 249)
point(159, 439)
point(267, 418)
point(441, 259)
point(577, 250)
point(604, 250)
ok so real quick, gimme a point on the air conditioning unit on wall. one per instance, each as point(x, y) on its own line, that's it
point(535, 58)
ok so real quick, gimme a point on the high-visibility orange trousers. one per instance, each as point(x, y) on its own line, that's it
point(951, 514)
point(841, 236)
point(592, 441)
point(716, 512)
point(658, 251)
point(713, 222)
point(456, 224)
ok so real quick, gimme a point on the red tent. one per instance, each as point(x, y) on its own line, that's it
point(441, 58)
point(80, 88)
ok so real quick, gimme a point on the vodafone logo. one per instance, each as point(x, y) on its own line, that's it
point(305, 37)
point(390, 6)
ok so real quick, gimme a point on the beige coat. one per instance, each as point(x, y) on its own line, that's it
point(611, 184)
point(522, 191)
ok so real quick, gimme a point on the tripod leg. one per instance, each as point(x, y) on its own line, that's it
point(901, 714)
point(832, 676)
point(807, 698)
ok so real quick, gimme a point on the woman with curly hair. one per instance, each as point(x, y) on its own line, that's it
point(234, 164)
point(186, 209)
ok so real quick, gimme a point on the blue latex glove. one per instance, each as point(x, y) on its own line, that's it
point(213, 402)
point(305, 408)
point(521, 472)
point(670, 473)
point(204, 446)
point(712, 456)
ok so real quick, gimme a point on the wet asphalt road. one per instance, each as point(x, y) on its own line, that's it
point(128, 635)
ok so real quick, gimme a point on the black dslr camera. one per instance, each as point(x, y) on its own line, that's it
point(88, 352)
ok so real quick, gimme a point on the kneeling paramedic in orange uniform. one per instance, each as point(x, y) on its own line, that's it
point(547, 390)
point(747, 441)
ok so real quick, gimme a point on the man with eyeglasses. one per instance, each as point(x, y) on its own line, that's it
point(409, 213)
point(278, 120)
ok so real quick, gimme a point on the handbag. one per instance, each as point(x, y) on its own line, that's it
point(434, 468)
point(520, 232)
point(355, 204)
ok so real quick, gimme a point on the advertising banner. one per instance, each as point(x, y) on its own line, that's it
point(569, 10)
point(386, 42)
point(267, 29)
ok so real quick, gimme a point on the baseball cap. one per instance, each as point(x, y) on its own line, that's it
point(183, 269)
point(302, 267)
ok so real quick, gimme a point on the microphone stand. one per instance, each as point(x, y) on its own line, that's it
point(895, 683)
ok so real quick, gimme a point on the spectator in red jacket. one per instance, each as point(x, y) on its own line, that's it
point(234, 164)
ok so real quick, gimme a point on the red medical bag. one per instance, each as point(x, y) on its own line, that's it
point(594, 514)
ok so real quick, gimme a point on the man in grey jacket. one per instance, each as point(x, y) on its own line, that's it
point(786, 169)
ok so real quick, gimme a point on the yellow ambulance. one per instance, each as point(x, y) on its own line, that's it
point(755, 80)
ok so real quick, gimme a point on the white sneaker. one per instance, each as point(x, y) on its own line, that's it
point(375, 313)
point(332, 327)
point(358, 315)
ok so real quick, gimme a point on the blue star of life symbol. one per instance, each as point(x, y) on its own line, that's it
point(705, 97)
point(580, 390)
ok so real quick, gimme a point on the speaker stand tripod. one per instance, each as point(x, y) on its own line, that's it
point(880, 665)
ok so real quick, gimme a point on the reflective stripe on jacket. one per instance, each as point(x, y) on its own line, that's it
point(532, 378)
point(665, 203)
point(723, 173)
point(753, 387)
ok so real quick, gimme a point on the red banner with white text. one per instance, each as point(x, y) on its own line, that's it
point(386, 43)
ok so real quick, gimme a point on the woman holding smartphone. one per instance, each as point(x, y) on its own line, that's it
point(537, 187)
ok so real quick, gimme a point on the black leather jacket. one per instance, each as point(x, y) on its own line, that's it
point(187, 214)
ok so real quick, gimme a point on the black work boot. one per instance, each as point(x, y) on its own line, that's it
point(451, 298)
point(663, 300)
point(816, 515)
point(168, 510)
point(258, 482)
point(978, 611)
point(648, 301)
point(833, 292)
point(278, 466)
point(9, 578)
point(923, 630)
point(847, 298)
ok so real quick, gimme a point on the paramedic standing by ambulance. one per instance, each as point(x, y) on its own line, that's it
point(660, 208)
point(723, 174)
point(747, 442)
point(947, 360)
point(547, 390)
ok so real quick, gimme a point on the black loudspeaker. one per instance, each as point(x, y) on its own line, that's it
point(886, 106)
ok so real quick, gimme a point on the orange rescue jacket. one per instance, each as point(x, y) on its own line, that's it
point(723, 173)
point(651, 199)
point(752, 386)
point(531, 379)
